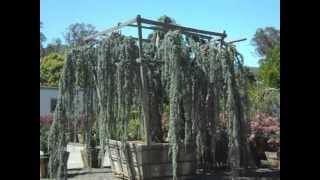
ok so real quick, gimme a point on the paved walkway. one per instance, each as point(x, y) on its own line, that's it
point(75, 159)
point(76, 171)
point(93, 174)
point(106, 174)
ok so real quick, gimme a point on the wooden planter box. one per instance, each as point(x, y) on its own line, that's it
point(272, 160)
point(92, 160)
point(44, 166)
point(150, 162)
point(271, 155)
point(44, 160)
point(80, 138)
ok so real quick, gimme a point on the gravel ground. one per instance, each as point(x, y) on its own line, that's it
point(106, 174)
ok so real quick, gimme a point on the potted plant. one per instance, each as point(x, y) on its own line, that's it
point(45, 123)
point(273, 155)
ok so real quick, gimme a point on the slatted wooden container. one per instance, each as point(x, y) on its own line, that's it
point(44, 166)
point(150, 162)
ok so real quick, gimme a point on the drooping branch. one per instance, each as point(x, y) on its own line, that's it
point(61, 128)
point(239, 151)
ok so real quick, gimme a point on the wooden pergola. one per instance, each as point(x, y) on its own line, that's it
point(138, 22)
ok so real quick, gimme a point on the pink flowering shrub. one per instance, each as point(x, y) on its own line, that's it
point(45, 123)
point(266, 129)
point(46, 119)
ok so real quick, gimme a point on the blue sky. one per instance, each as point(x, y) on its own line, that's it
point(239, 18)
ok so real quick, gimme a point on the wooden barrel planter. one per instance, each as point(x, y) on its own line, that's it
point(150, 162)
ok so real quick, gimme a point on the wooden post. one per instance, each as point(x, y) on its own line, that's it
point(222, 38)
point(145, 92)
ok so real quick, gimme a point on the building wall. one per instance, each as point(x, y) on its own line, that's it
point(46, 94)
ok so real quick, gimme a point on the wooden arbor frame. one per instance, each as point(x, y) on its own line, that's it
point(137, 22)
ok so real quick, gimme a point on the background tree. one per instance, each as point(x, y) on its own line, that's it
point(160, 34)
point(264, 95)
point(266, 39)
point(50, 69)
point(42, 39)
point(269, 72)
point(267, 43)
point(55, 46)
point(76, 32)
point(53, 55)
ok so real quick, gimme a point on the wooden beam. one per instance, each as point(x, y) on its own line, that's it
point(171, 26)
point(165, 26)
point(243, 39)
point(119, 26)
point(146, 27)
point(163, 29)
point(143, 40)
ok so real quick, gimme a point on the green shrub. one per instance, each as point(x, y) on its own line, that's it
point(51, 69)
point(134, 126)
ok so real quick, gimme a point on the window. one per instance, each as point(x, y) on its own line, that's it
point(53, 103)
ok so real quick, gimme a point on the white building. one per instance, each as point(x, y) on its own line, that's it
point(48, 99)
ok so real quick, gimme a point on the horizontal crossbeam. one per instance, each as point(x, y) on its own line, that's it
point(187, 29)
point(239, 40)
point(163, 27)
point(119, 26)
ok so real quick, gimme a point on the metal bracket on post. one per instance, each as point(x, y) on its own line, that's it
point(144, 86)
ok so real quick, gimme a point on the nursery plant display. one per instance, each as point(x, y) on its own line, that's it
point(186, 72)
